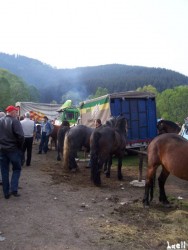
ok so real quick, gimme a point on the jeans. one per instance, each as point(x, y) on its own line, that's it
point(14, 158)
point(44, 142)
point(27, 146)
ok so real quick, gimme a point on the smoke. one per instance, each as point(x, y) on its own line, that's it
point(76, 95)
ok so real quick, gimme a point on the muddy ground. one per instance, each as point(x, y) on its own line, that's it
point(60, 210)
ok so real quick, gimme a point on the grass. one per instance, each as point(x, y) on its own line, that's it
point(129, 160)
point(140, 228)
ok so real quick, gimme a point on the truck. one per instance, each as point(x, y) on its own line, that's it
point(69, 113)
point(54, 112)
point(139, 109)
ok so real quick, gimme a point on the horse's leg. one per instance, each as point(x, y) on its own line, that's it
point(120, 176)
point(95, 169)
point(72, 161)
point(105, 167)
point(55, 142)
point(58, 152)
point(149, 186)
point(161, 180)
point(108, 164)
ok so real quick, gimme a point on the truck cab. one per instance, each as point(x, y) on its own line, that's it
point(68, 114)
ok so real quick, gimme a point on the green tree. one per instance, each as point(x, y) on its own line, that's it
point(172, 104)
point(99, 92)
point(4, 93)
point(14, 89)
point(148, 88)
point(34, 95)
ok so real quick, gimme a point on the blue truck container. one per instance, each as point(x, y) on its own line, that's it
point(139, 108)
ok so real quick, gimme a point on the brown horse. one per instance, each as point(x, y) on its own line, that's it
point(75, 139)
point(170, 151)
point(53, 136)
point(166, 126)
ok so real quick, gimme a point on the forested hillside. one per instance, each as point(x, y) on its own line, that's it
point(55, 84)
point(13, 88)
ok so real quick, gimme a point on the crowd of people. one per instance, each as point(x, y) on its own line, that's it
point(16, 142)
point(17, 135)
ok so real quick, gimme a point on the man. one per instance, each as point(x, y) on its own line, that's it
point(29, 130)
point(46, 129)
point(98, 123)
point(1, 115)
point(11, 142)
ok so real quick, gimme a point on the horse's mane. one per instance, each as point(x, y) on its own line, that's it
point(168, 122)
point(111, 122)
point(65, 123)
point(117, 123)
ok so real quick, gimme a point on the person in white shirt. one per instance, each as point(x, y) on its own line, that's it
point(29, 129)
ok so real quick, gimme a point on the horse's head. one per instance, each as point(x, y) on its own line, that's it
point(111, 122)
point(161, 127)
point(121, 124)
point(165, 126)
point(65, 123)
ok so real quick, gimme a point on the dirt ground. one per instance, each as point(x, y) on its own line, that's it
point(60, 210)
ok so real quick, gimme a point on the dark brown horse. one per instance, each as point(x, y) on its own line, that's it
point(76, 138)
point(166, 126)
point(105, 142)
point(170, 151)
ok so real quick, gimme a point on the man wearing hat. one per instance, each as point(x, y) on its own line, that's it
point(11, 142)
point(1, 115)
point(46, 129)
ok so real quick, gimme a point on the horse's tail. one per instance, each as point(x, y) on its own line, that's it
point(60, 141)
point(94, 158)
point(66, 151)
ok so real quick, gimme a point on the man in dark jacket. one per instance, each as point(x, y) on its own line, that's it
point(46, 128)
point(11, 142)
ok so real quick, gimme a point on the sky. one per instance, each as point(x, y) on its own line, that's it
point(79, 33)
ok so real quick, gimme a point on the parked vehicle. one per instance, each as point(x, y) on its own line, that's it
point(54, 112)
point(38, 110)
point(139, 108)
point(68, 112)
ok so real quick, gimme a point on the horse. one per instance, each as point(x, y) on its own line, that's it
point(53, 136)
point(170, 151)
point(166, 126)
point(105, 142)
point(64, 127)
point(76, 138)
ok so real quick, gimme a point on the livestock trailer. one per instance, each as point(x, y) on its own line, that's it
point(139, 108)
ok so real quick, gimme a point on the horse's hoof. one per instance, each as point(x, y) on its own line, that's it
point(97, 184)
point(145, 203)
point(166, 205)
point(73, 170)
point(146, 206)
point(58, 159)
point(107, 175)
point(120, 177)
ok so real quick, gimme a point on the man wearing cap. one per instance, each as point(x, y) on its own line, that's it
point(11, 142)
point(46, 129)
point(1, 115)
point(29, 130)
